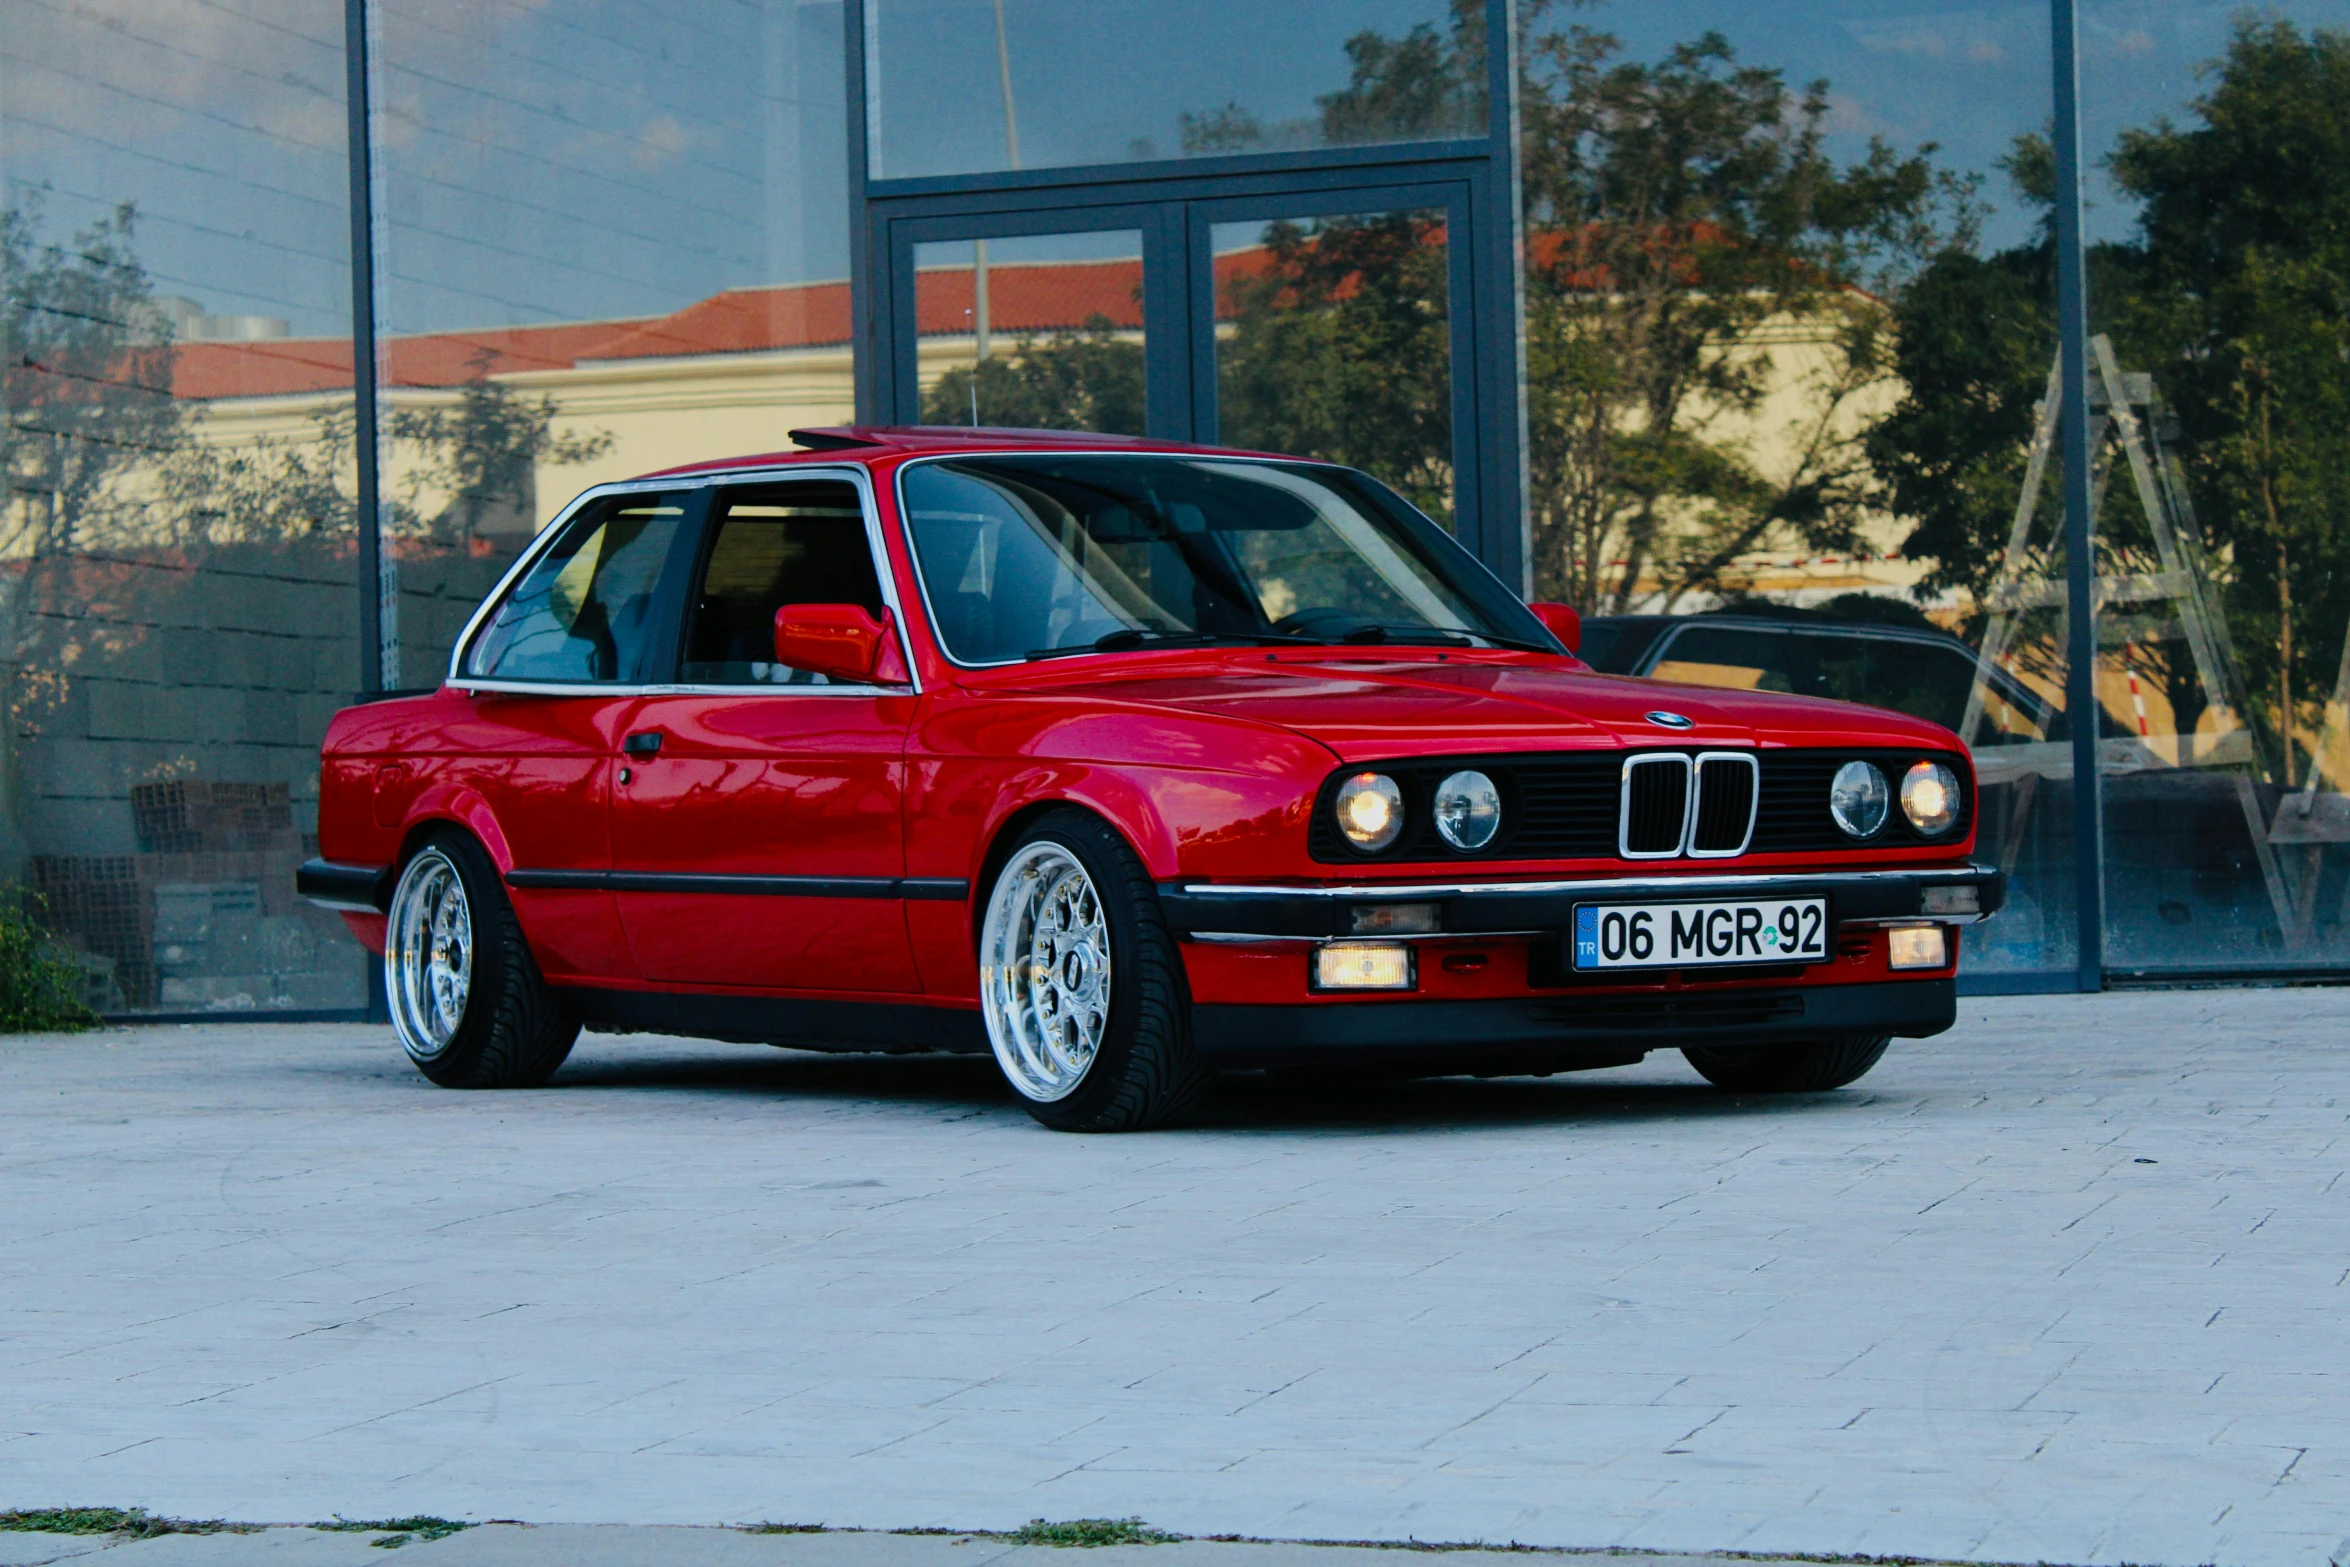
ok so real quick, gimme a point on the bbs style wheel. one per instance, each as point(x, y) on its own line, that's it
point(1080, 985)
point(466, 999)
point(1807, 1066)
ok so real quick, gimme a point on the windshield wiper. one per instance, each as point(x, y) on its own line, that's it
point(1419, 636)
point(1143, 636)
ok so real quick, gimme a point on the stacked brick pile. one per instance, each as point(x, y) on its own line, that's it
point(204, 916)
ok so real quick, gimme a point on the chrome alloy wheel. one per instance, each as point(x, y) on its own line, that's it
point(1044, 972)
point(428, 955)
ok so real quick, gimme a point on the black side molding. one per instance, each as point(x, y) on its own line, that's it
point(354, 889)
point(919, 889)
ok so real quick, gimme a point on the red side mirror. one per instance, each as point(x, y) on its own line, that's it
point(840, 642)
point(1563, 622)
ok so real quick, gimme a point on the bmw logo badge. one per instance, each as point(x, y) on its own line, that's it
point(1664, 720)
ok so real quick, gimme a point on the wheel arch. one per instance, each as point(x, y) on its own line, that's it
point(1007, 833)
point(459, 807)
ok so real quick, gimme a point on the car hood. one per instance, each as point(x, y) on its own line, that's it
point(1365, 710)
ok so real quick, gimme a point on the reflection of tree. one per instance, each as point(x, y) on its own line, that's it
point(85, 372)
point(1089, 379)
point(1681, 216)
point(2235, 296)
point(1340, 348)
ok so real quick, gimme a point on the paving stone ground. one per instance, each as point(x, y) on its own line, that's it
point(2065, 1285)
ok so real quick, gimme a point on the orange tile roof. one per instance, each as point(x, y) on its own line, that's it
point(1027, 297)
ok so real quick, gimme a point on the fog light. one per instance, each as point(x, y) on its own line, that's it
point(1916, 946)
point(1363, 965)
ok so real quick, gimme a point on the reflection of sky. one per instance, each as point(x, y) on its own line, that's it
point(548, 160)
point(1101, 81)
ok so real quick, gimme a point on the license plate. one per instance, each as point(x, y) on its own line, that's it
point(1690, 935)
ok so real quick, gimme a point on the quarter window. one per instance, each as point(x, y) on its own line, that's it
point(775, 545)
point(584, 611)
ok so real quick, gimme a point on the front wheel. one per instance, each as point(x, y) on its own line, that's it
point(466, 999)
point(1080, 984)
point(1805, 1067)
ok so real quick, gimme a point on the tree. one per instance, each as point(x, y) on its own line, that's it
point(2236, 294)
point(1341, 347)
point(1681, 214)
point(85, 380)
point(1090, 379)
point(483, 454)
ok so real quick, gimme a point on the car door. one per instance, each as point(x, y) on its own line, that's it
point(554, 670)
point(757, 832)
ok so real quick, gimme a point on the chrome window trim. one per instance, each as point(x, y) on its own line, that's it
point(1624, 804)
point(1697, 796)
point(914, 551)
point(875, 542)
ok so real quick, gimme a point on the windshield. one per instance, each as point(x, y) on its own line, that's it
point(1044, 555)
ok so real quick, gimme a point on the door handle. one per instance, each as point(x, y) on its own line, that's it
point(647, 743)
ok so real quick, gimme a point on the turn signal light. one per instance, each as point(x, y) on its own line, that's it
point(1363, 965)
point(1916, 946)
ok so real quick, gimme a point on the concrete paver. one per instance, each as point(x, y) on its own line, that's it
point(2067, 1284)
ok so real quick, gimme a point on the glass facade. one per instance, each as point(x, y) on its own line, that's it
point(982, 86)
point(1790, 325)
point(177, 529)
point(612, 240)
point(1032, 332)
point(2220, 380)
point(1334, 340)
point(1790, 418)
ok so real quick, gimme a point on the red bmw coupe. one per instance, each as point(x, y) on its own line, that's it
point(1128, 762)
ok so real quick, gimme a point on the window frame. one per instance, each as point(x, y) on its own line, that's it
point(922, 577)
point(676, 589)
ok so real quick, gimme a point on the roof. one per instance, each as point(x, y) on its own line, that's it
point(1022, 298)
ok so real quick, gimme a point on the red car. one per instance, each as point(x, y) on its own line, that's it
point(1130, 762)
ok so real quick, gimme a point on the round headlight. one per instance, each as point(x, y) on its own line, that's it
point(1468, 810)
point(1370, 811)
point(1858, 799)
point(1929, 797)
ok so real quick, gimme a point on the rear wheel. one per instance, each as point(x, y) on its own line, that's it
point(467, 1001)
point(1804, 1067)
point(1080, 984)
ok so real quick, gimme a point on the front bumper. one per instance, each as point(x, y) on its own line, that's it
point(1559, 1032)
point(1208, 911)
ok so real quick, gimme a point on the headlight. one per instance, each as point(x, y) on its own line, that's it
point(1858, 799)
point(1929, 797)
point(1370, 811)
point(1468, 810)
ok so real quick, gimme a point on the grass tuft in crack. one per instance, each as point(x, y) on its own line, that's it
point(133, 1523)
point(396, 1532)
point(1092, 1531)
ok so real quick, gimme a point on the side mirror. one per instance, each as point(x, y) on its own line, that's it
point(1563, 622)
point(840, 642)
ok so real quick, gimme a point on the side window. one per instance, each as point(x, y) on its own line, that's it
point(584, 611)
point(777, 544)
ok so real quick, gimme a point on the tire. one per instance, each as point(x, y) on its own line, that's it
point(467, 1001)
point(1808, 1066)
point(1096, 1037)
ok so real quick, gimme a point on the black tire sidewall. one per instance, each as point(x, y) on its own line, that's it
point(500, 985)
point(1817, 1065)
